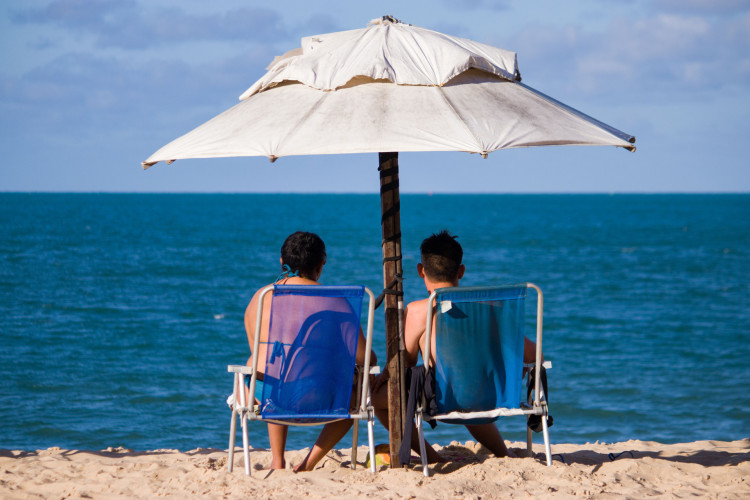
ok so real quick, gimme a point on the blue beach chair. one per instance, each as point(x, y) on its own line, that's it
point(479, 347)
point(310, 364)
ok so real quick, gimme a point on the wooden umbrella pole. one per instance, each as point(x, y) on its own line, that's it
point(394, 305)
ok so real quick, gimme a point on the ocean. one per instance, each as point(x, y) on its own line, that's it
point(120, 312)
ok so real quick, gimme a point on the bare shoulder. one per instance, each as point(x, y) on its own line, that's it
point(416, 314)
point(253, 303)
point(252, 306)
point(417, 309)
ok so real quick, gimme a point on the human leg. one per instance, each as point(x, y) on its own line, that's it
point(380, 404)
point(529, 350)
point(329, 436)
point(489, 437)
point(277, 437)
point(379, 400)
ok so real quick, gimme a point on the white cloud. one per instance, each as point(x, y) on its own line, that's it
point(128, 25)
point(664, 54)
point(477, 4)
point(81, 94)
point(706, 7)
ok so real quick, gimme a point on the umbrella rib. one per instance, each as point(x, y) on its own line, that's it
point(578, 114)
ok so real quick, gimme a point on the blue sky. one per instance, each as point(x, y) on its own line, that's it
point(90, 88)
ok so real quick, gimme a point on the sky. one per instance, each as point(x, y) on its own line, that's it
point(90, 88)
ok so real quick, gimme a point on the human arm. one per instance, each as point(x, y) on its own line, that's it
point(414, 324)
point(251, 314)
point(362, 348)
point(413, 332)
point(251, 327)
point(529, 351)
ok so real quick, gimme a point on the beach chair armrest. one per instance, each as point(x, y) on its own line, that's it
point(547, 364)
point(244, 369)
point(374, 370)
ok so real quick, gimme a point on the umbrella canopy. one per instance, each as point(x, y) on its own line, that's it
point(389, 87)
point(385, 88)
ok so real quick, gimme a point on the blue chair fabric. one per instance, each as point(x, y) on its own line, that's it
point(312, 349)
point(479, 335)
point(479, 340)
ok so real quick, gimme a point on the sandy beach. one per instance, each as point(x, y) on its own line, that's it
point(631, 469)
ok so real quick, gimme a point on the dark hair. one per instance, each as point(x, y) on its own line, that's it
point(303, 252)
point(441, 256)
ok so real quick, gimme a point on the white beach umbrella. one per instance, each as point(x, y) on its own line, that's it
point(390, 87)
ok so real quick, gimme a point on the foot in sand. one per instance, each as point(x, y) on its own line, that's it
point(276, 465)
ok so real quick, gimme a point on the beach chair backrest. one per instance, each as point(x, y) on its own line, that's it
point(312, 346)
point(479, 342)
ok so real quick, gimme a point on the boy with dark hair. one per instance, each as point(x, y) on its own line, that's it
point(303, 256)
point(442, 256)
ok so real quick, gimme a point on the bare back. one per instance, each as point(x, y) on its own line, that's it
point(251, 314)
point(414, 331)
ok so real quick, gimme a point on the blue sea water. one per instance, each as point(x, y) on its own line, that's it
point(120, 312)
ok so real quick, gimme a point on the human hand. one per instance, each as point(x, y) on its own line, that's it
point(379, 380)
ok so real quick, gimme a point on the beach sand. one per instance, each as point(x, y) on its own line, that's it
point(703, 469)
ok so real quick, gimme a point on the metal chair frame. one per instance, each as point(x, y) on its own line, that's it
point(535, 406)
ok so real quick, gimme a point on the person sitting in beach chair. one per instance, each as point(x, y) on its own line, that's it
point(303, 257)
point(441, 267)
